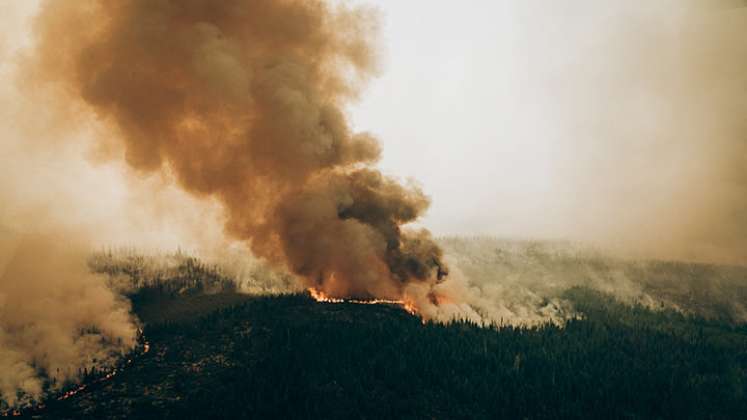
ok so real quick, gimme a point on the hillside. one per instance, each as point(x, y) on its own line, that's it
point(521, 271)
point(292, 357)
point(640, 344)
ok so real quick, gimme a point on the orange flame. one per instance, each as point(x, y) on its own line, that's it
point(82, 387)
point(320, 296)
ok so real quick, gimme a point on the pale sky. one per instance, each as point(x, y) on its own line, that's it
point(463, 106)
point(516, 115)
point(581, 119)
point(452, 113)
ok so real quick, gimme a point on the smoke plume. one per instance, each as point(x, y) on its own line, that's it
point(242, 102)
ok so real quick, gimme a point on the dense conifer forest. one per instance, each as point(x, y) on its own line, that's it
point(214, 352)
point(291, 357)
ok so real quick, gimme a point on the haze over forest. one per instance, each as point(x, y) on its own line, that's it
point(346, 149)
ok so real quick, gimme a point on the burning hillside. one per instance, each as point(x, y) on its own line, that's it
point(322, 298)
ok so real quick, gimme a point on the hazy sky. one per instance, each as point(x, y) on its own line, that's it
point(453, 111)
point(537, 118)
point(584, 119)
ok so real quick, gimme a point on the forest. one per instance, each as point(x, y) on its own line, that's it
point(215, 352)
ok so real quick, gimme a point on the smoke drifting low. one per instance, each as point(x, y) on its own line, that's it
point(55, 316)
point(241, 101)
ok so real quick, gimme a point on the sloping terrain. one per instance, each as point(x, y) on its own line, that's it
point(516, 271)
point(648, 340)
point(292, 357)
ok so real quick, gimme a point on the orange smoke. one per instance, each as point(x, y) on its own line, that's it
point(242, 102)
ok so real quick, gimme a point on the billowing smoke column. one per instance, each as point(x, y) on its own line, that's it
point(242, 101)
